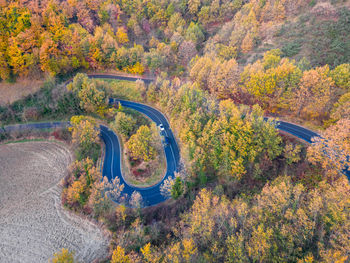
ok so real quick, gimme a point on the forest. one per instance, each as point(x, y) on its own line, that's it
point(245, 191)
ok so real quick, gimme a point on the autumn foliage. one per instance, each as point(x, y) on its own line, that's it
point(332, 149)
point(245, 193)
point(279, 85)
point(140, 144)
point(91, 93)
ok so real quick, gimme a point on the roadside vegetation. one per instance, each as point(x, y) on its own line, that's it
point(51, 102)
point(58, 134)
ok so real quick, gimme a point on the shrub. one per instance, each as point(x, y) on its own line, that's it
point(177, 189)
point(291, 49)
point(31, 113)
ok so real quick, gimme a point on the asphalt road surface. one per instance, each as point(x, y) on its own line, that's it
point(112, 163)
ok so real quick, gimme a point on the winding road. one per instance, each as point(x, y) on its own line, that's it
point(112, 162)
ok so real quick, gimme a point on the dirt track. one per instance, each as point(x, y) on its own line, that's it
point(33, 225)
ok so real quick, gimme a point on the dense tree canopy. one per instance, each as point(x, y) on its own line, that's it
point(277, 225)
point(279, 85)
point(332, 150)
point(220, 137)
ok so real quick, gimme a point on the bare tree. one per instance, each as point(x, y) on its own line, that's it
point(136, 200)
point(167, 185)
point(113, 190)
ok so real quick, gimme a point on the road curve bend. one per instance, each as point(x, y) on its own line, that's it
point(112, 162)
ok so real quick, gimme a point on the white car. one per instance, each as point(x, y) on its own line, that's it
point(161, 127)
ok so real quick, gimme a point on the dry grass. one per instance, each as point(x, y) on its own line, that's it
point(10, 92)
point(33, 224)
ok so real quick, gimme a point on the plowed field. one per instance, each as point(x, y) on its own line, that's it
point(33, 224)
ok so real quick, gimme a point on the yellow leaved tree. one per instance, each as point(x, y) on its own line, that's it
point(63, 257)
point(140, 144)
point(122, 36)
point(119, 256)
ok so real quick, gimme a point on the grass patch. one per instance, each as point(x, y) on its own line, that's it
point(292, 48)
point(124, 89)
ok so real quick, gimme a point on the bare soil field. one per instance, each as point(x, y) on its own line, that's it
point(33, 224)
point(11, 92)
